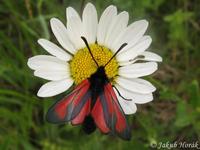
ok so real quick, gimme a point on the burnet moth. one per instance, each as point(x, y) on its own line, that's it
point(93, 103)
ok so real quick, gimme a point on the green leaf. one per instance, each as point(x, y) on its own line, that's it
point(176, 22)
point(183, 116)
point(194, 94)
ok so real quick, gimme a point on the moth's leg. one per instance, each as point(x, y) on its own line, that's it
point(120, 94)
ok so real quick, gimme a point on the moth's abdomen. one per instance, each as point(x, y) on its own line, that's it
point(89, 125)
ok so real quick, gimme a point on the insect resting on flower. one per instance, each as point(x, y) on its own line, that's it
point(101, 63)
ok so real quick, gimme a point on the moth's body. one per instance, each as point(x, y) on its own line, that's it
point(97, 82)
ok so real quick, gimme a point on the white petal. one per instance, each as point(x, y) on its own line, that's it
point(145, 56)
point(136, 97)
point(75, 28)
point(90, 22)
point(40, 62)
point(61, 35)
point(136, 85)
point(52, 74)
point(105, 21)
point(71, 12)
point(134, 51)
point(131, 35)
point(150, 56)
point(128, 107)
point(54, 87)
point(117, 26)
point(54, 49)
point(138, 69)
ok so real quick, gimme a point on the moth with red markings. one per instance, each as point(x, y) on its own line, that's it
point(93, 103)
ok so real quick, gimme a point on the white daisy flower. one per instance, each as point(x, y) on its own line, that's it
point(72, 63)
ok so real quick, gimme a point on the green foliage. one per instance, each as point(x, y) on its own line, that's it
point(173, 115)
point(177, 22)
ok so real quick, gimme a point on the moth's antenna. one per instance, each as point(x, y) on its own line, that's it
point(121, 47)
point(86, 43)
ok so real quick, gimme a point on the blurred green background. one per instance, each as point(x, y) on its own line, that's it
point(174, 115)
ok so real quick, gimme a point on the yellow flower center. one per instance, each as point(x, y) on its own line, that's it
point(82, 66)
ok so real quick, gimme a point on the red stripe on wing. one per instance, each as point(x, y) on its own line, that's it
point(69, 107)
point(98, 116)
point(121, 120)
point(83, 113)
point(117, 120)
point(60, 108)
